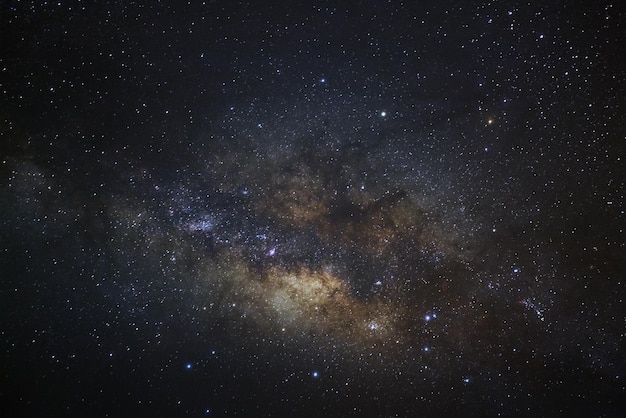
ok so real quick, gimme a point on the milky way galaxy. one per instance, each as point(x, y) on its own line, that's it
point(281, 209)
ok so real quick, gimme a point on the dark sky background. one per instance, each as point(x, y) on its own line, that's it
point(293, 209)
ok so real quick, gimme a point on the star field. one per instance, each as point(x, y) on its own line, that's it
point(294, 209)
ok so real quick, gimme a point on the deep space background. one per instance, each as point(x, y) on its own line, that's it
point(312, 209)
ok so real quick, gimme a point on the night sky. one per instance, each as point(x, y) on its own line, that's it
point(293, 209)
